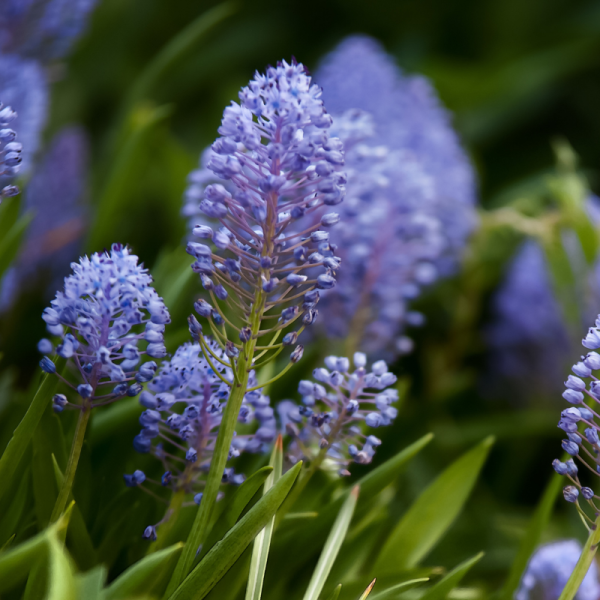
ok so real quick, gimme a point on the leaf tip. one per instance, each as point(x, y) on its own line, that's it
point(279, 443)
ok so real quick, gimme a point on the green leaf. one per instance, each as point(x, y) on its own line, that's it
point(332, 546)
point(310, 535)
point(393, 591)
point(79, 537)
point(90, 585)
point(10, 244)
point(224, 554)
point(37, 581)
point(262, 542)
point(11, 518)
point(233, 509)
point(15, 564)
point(336, 593)
point(367, 592)
point(177, 49)
point(148, 576)
point(583, 564)
point(22, 436)
point(61, 585)
point(144, 121)
point(443, 587)
point(532, 536)
point(430, 516)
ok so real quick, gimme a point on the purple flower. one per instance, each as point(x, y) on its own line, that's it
point(56, 197)
point(43, 29)
point(583, 443)
point(252, 200)
point(24, 94)
point(410, 194)
point(183, 412)
point(528, 337)
point(328, 424)
point(549, 570)
point(108, 307)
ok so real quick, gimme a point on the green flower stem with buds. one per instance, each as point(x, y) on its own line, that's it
point(583, 564)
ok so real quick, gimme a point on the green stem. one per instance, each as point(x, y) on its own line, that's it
point(65, 490)
point(215, 474)
point(583, 564)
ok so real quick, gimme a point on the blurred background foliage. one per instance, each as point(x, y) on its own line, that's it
point(523, 81)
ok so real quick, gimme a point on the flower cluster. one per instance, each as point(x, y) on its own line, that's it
point(549, 570)
point(182, 418)
point(527, 355)
point(55, 195)
point(277, 166)
point(23, 87)
point(10, 151)
point(44, 29)
point(106, 309)
point(410, 194)
point(328, 423)
point(584, 444)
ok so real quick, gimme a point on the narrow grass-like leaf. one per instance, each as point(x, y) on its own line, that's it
point(432, 513)
point(11, 518)
point(37, 581)
point(177, 49)
point(262, 542)
point(61, 584)
point(79, 537)
point(443, 587)
point(332, 547)
point(336, 592)
point(532, 536)
point(90, 585)
point(224, 554)
point(233, 509)
point(392, 592)
point(113, 197)
point(308, 536)
point(17, 562)
point(148, 576)
point(10, 244)
point(583, 564)
point(22, 436)
point(367, 592)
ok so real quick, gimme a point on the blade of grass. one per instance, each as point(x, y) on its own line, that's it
point(224, 554)
point(393, 591)
point(262, 542)
point(332, 546)
point(532, 536)
point(443, 587)
point(23, 433)
point(432, 513)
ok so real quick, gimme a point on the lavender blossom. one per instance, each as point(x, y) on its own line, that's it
point(579, 421)
point(56, 197)
point(182, 418)
point(328, 423)
point(277, 166)
point(23, 89)
point(528, 337)
point(43, 29)
point(107, 307)
point(549, 570)
point(10, 151)
point(410, 195)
